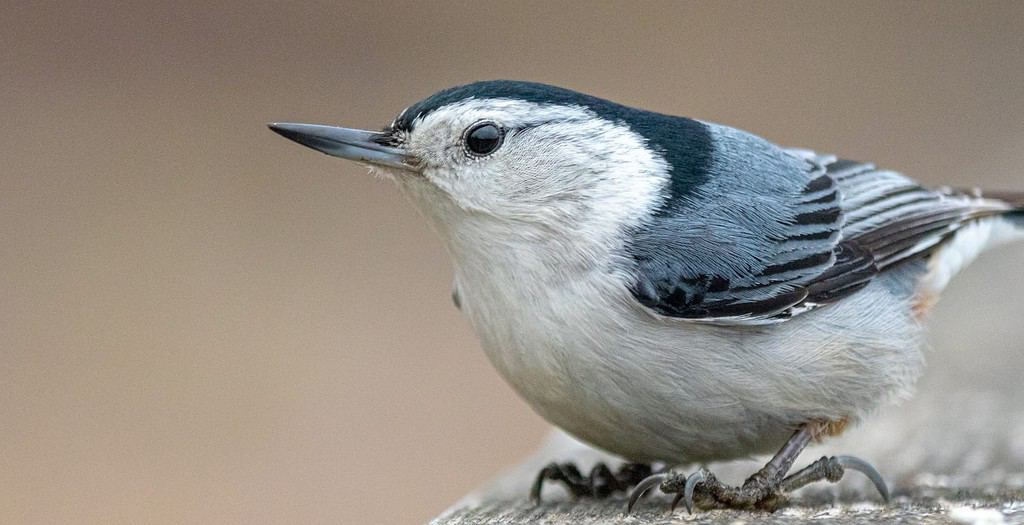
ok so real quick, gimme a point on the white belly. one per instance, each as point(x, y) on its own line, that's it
point(590, 360)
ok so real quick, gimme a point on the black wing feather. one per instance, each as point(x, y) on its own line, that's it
point(803, 248)
point(877, 220)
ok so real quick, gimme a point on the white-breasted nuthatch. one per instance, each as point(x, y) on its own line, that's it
point(672, 290)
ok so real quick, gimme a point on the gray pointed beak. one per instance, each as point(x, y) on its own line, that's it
point(351, 144)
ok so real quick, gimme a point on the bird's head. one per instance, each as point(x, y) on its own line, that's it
point(527, 159)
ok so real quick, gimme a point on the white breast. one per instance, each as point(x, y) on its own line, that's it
point(589, 359)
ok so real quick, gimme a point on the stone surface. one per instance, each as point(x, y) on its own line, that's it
point(921, 505)
point(921, 498)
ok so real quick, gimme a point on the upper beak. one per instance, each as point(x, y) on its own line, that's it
point(352, 144)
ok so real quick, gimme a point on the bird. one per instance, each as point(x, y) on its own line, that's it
point(676, 291)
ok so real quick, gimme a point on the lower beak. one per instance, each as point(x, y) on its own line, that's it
point(351, 144)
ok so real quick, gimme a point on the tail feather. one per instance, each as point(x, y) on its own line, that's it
point(1001, 225)
point(1014, 199)
point(1015, 215)
point(1006, 204)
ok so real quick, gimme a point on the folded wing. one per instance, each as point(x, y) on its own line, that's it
point(848, 224)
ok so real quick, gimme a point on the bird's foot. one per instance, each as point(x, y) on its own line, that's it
point(600, 483)
point(761, 491)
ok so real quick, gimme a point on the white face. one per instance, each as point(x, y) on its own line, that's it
point(559, 167)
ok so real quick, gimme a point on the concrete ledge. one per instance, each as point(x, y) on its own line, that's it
point(927, 499)
point(921, 505)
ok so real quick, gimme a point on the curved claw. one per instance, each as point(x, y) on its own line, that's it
point(855, 463)
point(641, 488)
point(691, 485)
point(538, 484)
point(675, 503)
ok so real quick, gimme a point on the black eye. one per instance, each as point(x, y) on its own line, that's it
point(484, 138)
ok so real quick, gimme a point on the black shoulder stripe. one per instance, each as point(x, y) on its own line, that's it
point(811, 261)
point(826, 216)
point(821, 183)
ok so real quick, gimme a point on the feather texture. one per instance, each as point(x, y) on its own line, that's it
point(746, 245)
point(848, 223)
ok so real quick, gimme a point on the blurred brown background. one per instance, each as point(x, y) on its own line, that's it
point(201, 322)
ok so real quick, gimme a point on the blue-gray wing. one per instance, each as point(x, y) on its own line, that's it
point(748, 247)
point(821, 230)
